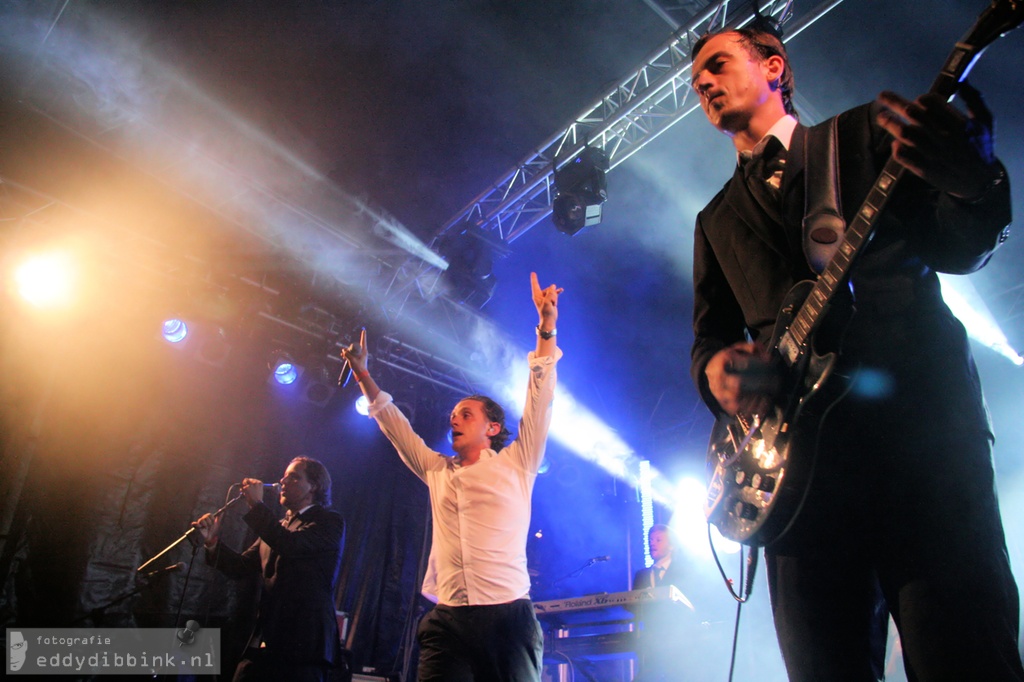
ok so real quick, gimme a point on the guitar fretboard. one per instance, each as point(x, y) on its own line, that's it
point(1001, 16)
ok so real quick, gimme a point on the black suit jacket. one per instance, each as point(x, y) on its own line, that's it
point(299, 569)
point(644, 578)
point(744, 265)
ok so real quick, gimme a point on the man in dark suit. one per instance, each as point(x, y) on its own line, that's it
point(668, 627)
point(664, 571)
point(296, 634)
point(900, 516)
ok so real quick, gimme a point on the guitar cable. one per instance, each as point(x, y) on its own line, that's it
point(750, 565)
point(748, 569)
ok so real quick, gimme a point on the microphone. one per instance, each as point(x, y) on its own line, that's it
point(346, 374)
point(600, 558)
point(163, 571)
point(267, 487)
point(346, 368)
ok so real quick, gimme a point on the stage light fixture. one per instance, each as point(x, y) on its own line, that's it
point(319, 385)
point(283, 369)
point(175, 330)
point(362, 405)
point(581, 188)
point(286, 373)
point(646, 506)
point(46, 280)
point(215, 348)
point(469, 252)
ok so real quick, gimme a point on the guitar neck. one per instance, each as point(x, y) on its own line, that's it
point(857, 235)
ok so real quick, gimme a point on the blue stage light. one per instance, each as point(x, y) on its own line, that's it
point(646, 506)
point(363, 406)
point(285, 372)
point(175, 330)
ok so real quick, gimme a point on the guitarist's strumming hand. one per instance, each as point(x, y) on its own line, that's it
point(742, 379)
point(950, 150)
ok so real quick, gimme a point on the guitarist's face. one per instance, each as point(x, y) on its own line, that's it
point(738, 92)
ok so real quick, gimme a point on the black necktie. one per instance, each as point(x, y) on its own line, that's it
point(762, 168)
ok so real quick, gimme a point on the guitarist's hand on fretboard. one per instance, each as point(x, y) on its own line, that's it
point(742, 379)
point(950, 150)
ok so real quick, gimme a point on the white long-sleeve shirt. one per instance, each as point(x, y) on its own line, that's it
point(481, 512)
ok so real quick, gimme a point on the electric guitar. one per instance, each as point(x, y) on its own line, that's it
point(750, 455)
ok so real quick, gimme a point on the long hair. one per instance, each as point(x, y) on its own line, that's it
point(494, 413)
point(318, 477)
point(761, 45)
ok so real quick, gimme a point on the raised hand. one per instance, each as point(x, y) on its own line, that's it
point(546, 300)
point(356, 354)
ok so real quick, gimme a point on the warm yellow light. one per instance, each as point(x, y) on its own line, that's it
point(46, 281)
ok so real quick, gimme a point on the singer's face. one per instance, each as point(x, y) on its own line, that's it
point(296, 490)
point(470, 429)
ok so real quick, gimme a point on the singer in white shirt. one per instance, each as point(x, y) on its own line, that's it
point(483, 626)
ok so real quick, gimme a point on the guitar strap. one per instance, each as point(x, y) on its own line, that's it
point(823, 223)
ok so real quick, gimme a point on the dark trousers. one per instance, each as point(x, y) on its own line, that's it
point(497, 643)
point(258, 666)
point(900, 526)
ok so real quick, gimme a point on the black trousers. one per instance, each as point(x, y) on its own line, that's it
point(496, 643)
point(907, 526)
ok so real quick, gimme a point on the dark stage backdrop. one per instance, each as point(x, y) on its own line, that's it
point(132, 442)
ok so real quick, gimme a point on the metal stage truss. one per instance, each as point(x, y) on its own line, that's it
point(317, 225)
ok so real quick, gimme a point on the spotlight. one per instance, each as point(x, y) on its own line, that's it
point(284, 371)
point(581, 189)
point(363, 406)
point(319, 387)
point(470, 253)
point(175, 330)
point(46, 280)
point(214, 349)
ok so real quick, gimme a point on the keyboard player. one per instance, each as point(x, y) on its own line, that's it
point(667, 629)
point(664, 571)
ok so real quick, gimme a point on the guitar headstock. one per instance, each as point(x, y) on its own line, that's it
point(998, 19)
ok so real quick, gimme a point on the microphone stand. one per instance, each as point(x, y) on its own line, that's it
point(577, 572)
point(192, 535)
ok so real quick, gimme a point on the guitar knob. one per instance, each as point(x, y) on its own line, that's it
point(768, 484)
point(745, 510)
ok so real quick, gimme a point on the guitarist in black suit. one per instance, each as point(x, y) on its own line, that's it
point(296, 634)
point(900, 515)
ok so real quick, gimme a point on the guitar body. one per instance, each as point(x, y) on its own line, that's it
point(758, 464)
